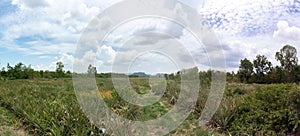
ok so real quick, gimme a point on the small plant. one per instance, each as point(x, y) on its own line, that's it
point(225, 115)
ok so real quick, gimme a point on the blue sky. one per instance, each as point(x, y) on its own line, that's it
point(42, 32)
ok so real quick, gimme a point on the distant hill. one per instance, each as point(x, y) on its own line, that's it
point(139, 74)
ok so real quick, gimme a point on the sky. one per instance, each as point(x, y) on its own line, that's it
point(43, 32)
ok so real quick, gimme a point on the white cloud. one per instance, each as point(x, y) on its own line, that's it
point(246, 28)
point(106, 54)
point(249, 17)
point(66, 59)
point(30, 3)
point(81, 64)
point(55, 27)
point(284, 31)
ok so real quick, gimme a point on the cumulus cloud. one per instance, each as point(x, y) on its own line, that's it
point(106, 55)
point(54, 26)
point(48, 28)
point(138, 51)
point(284, 31)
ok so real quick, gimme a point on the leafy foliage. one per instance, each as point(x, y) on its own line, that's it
point(246, 70)
point(272, 110)
point(287, 72)
point(262, 67)
point(287, 57)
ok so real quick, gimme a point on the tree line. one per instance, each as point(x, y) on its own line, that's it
point(262, 71)
point(21, 71)
point(259, 70)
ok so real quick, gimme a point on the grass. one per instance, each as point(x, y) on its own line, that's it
point(50, 107)
point(45, 107)
point(9, 124)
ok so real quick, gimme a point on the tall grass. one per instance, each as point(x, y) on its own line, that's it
point(50, 107)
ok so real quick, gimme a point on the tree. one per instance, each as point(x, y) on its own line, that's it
point(287, 57)
point(296, 73)
point(246, 70)
point(41, 73)
point(3, 72)
point(262, 67)
point(230, 76)
point(92, 70)
point(17, 71)
point(60, 69)
point(288, 60)
point(28, 72)
point(171, 76)
point(276, 75)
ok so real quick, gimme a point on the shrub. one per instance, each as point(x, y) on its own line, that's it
point(273, 110)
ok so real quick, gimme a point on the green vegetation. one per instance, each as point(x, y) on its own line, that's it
point(259, 110)
point(261, 70)
point(49, 107)
point(44, 102)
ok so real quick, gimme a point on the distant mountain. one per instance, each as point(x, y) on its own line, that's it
point(139, 74)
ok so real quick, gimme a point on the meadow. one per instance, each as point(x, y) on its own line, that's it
point(50, 107)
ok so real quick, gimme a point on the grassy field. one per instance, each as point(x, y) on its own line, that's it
point(50, 107)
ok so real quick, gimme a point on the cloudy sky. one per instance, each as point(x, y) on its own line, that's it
point(42, 32)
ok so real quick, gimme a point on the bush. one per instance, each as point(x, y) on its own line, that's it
point(273, 110)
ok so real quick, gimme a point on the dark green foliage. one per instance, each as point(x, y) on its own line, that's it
point(289, 61)
point(246, 70)
point(19, 71)
point(262, 68)
point(276, 75)
point(60, 69)
point(296, 73)
point(287, 72)
point(287, 58)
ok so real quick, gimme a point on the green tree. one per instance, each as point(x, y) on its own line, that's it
point(41, 73)
point(28, 72)
point(287, 57)
point(262, 68)
point(3, 72)
point(288, 60)
point(17, 71)
point(171, 76)
point(276, 75)
point(296, 73)
point(245, 70)
point(60, 69)
point(92, 70)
